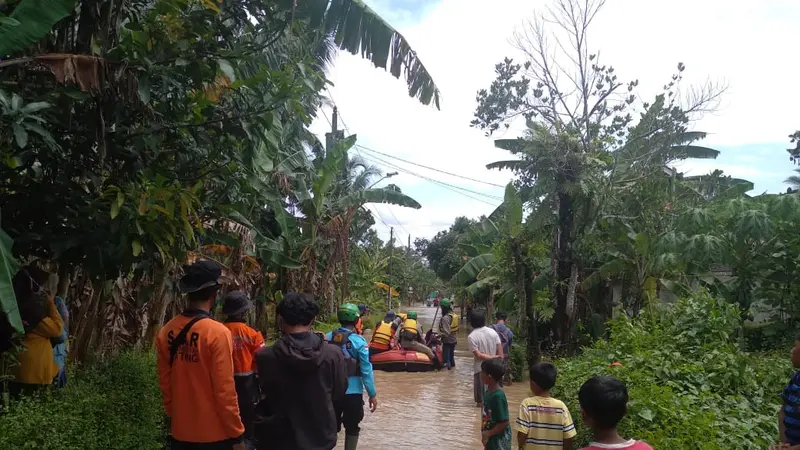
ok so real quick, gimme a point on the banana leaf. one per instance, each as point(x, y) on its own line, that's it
point(30, 21)
point(8, 267)
point(359, 30)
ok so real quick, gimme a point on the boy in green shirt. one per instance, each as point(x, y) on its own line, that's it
point(495, 429)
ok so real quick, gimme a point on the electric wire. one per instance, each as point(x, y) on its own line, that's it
point(429, 167)
point(451, 187)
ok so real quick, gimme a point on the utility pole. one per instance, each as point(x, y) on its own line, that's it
point(407, 281)
point(391, 251)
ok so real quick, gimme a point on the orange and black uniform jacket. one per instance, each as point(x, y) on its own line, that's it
point(246, 341)
point(359, 326)
point(198, 390)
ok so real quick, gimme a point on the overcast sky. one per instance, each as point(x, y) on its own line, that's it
point(750, 46)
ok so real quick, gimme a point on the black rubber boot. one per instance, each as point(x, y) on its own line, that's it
point(350, 442)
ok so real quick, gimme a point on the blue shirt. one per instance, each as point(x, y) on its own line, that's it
point(359, 349)
point(60, 349)
point(506, 332)
point(791, 409)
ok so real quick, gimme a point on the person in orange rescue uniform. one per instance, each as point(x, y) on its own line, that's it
point(195, 369)
point(246, 341)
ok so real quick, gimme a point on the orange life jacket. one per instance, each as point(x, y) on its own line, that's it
point(382, 336)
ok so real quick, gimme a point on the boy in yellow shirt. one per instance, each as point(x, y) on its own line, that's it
point(544, 422)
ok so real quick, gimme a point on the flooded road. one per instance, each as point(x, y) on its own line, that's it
point(433, 409)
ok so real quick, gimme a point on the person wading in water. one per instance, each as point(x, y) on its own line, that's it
point(195, 369)
point(359, 371)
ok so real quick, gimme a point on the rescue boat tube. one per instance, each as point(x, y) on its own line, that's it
point(402, 360)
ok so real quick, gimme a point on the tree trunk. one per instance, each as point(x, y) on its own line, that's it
point(564, 288)
point(157, 309)
point(490, 305)
point(524, 277)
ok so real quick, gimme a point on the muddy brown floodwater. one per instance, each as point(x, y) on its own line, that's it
point(430, 410)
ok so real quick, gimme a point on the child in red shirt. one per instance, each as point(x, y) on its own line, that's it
point(604, 402)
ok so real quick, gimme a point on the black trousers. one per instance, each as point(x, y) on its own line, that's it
point(248, 395)
point(180, 445)
point(350, 412)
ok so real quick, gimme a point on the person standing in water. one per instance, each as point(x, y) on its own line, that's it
point(359, 372)
point(448, 329)
point(246, 341)
point(484, 343)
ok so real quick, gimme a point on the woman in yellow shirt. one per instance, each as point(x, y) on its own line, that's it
point(36, 366)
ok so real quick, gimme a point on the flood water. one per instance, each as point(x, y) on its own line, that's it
point(432, 409)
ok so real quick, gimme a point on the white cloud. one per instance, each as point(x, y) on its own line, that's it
point(746, 44)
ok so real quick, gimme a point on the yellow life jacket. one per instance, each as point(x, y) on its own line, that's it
point(453, 321)
point(382, 336)
point(410, 328)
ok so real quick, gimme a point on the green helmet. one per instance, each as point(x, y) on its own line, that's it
point(412, 315)
point(348, 312)
point(445, 304)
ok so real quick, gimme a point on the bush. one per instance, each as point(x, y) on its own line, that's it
point(769, 336)
point(518, 362)
point(112, 404)
point(690, 387)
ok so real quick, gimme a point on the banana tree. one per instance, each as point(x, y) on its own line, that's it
point(328, 219)
point(359, 30)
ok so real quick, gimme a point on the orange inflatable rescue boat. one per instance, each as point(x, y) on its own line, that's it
point(402, 360)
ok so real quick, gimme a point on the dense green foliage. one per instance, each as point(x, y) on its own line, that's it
point(690, 386)
point(112, 404)
point(142, 134)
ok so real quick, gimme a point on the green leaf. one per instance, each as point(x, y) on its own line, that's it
point(358, 29)
point(8, 268)
point(380, 195)
point(144, 89)
point(115, 207)
point(473, 267)
point(20, 135)
point(646, 414)
point(696, 151)
point(226, 68)
point(35, 18)
point(136, 246)
point(5, 20)
point(34, 107)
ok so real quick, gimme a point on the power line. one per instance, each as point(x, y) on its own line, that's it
point(446, 186)
point(397, 220)
point(430, 168)
point(456, 189)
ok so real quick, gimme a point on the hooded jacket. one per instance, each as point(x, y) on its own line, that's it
point(301, 378)
point(36, 363)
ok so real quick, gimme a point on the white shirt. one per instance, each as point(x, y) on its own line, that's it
point(485, 340)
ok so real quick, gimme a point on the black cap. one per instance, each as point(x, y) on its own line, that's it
point(236, 302)
point(200, 275)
